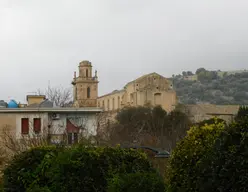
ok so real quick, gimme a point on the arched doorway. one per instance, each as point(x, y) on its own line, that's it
point(157, 99)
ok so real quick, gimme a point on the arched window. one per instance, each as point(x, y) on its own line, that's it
point(113, 104)
point(88, 92)
point(108, 105)
point(118, 103)
point(87, 73)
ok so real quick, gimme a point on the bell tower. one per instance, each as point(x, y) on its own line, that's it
point(85, 86)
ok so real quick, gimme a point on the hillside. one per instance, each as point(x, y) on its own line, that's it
point(214, 87)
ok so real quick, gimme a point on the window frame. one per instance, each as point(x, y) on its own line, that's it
point(26, 132)
point(39, 125)
point(88, 92)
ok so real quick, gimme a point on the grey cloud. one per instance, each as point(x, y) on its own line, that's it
point(43, 41)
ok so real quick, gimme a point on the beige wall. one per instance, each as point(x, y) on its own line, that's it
point(7, 121)
point(31, 116)
point(35, 99)
point(111, 102)
point(13, 121)
point(200, 112)
point(169, 100)
point(191, 78)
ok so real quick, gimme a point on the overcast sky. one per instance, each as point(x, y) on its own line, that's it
point(44, 40)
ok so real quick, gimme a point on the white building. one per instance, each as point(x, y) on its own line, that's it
point(61, 124)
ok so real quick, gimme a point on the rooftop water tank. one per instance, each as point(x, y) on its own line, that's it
point(3, 104)
point(12, 104)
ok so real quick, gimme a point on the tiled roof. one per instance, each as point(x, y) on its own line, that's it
point(144, 76)
point(44, 104)
point(112, 93)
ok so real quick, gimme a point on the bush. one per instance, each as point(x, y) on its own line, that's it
point(242, 113)
point(38, 189)
point(78, 168)
point(26, 168)
point(145, 182)
point(226, 169)
point(211, 121)
point(88, 168)
point(185, 159)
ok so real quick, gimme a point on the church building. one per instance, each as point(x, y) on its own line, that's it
point(153, 89)
point(150, 89)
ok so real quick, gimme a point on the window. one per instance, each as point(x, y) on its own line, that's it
point(88, 92)
point(75, 138)
point(118, 103)
point(72, 138)
point(25, 126)
point(37, 125)
point(86, 72)
point(131, 97)
point(69, 138)
point(113, 103)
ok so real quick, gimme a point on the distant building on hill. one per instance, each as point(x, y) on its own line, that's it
point(200, 112)
point(223, 73)
point(190, 78)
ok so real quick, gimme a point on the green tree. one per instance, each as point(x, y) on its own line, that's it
point(242, 113)
point(145, 182)
point(88, 169)
point(184, 73)
point(183, 164)
point(138, 124)
point(189, 73)
point(200, 70)
point(226, 167)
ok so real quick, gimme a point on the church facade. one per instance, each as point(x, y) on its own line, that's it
point(151, 89)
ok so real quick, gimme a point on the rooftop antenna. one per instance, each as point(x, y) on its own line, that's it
point(33, 92)
point(48, 83)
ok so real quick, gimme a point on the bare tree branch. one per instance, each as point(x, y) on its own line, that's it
point(60, 96)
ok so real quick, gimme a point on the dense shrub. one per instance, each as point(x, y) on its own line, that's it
point(37, 188)
point(226, 168)
point(133, 182)
point(149, 126)
point(183, 165)
point(88, 168)
point(26, 168)
point(242, 113)
point(211, 121)
point(78, 168)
